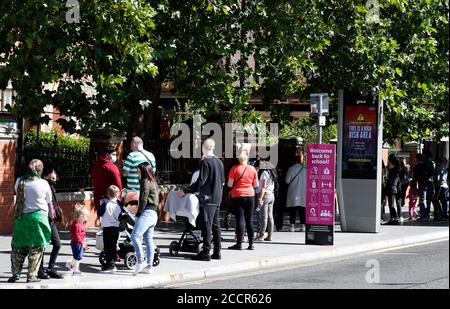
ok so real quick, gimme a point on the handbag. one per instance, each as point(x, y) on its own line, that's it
point(292, 180)
point(20, 200)
point(148, 160)
point(58, 210)
point(235, 183)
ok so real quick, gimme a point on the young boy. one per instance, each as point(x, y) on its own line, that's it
point(110, 212)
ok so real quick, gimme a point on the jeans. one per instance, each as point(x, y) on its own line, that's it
point(209, 218)
point(258, 214)
point(397, 199)
point(267, 214)
point(425, 196)
point(244, 217)
point(442, 197)
point(143, 229)
point(56, 246)
point(110, 238)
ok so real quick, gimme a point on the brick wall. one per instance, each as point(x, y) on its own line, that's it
point(7, 194)
point(67, 201)
point(7, 179)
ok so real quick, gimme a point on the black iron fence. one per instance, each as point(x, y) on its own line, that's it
point(72, 166)
point(168, 169)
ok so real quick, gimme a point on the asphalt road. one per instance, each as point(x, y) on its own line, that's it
point(417, 267)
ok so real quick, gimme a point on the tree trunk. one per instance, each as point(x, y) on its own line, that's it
point(136, 125)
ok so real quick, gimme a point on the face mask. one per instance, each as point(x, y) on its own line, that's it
point(52, 182)
point(113, 159)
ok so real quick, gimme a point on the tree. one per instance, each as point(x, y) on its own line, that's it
point(93, 64)
point(32, 52)
point(403, 57)
point(307, 129)
point(124, 50)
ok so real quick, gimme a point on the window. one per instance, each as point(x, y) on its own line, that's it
point(6, 97)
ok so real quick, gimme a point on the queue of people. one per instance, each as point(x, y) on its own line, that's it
point(252, 190)
point(424, 185)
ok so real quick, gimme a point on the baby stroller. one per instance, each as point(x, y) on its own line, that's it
point(126, 248)
point(190, 241)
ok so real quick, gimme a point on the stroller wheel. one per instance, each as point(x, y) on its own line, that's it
point(156, 261)
point(102, 258)
point(174, 248)
point(130, 260)
point(199, 247)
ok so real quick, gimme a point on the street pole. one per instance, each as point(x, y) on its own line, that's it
point(319, 127)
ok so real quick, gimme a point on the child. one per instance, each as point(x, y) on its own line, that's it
point(110, 212)
point(78, 238)
point(413, 196)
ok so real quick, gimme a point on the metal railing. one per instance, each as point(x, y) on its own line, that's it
point(71, 165)
point(168, 169)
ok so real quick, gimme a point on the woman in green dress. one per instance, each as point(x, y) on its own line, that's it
point(31, 226)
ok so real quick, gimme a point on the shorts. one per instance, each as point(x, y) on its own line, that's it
point(77, 251)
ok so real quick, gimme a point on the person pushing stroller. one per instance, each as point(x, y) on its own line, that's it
point(124, 249)
point(209, 186)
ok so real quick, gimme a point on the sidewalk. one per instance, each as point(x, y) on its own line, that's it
point(287, 248)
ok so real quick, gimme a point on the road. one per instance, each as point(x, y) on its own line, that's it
point(416, 267)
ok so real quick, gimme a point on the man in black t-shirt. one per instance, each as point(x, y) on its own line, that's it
point(209, 186)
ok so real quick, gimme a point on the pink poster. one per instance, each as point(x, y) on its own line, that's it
point(320, 180)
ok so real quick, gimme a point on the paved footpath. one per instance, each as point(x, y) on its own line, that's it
point(287, 248)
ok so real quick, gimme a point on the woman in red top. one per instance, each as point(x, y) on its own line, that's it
point(242, 180)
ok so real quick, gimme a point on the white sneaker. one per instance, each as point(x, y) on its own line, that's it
point(292, 229)
point(401, 219)
point(69, 265)
point(148, 270)
point(140, 267)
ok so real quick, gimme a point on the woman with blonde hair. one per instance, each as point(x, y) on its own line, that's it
point(78, 238)
point(242, 180)
point(31, 232)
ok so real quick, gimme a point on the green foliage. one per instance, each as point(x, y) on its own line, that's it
point(306, 128)
point(47, 140)
point(403, 58)
point(124, 50)
point(94, 62)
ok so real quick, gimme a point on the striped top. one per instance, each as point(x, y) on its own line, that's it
point(131, 163)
